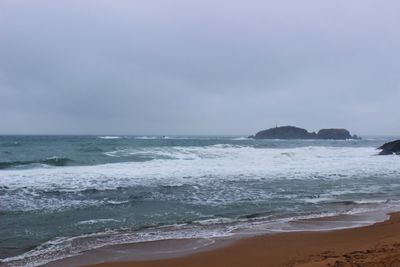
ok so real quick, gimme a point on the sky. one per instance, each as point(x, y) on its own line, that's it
point(198, 67)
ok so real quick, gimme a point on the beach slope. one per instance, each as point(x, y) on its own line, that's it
point(374, 245)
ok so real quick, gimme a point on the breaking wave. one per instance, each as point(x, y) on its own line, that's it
point(52, 161)
point(109, 137)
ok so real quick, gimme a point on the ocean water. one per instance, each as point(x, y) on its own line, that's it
point(61, 195)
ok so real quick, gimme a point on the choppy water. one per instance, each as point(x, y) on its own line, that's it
point(60, 195)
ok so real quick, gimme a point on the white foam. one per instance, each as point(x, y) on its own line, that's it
point(240, 138)
point(110, 137)
point(63, 247)
point(373, 201)
point(147, 137)
point(117, 202)
point(197, 165)
point(95, 221)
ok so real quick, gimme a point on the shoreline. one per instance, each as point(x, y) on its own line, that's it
point(373, 245)
point(179, 251)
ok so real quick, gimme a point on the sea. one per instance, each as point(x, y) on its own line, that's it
point(62, 195)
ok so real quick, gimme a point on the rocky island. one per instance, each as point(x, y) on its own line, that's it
point(292, 132)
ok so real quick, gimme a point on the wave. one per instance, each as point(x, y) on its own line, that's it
point(173, 152)
point(148, 137)
point(205, 163)
point(96, 221)
point(203, 138)
point(240, 139)
point(207, 231)
point(193, 169)
point(52, 161)
point(109, 137)
point(155, 137)
point(111, 202)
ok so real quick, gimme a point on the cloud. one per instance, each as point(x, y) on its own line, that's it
point(206, 67)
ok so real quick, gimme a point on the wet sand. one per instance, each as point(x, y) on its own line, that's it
point(367, 246)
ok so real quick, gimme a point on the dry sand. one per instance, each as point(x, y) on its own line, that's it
point(374, 245)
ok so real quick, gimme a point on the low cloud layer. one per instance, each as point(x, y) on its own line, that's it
point(211, 67)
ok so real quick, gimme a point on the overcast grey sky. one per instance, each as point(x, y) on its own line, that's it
point(198, 67)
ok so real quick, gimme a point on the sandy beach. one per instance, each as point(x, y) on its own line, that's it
point(373, 245)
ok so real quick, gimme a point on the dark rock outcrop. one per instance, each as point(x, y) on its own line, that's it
point(291, 132)
point(390, 148)
point(285, 132)
point(334, 134)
